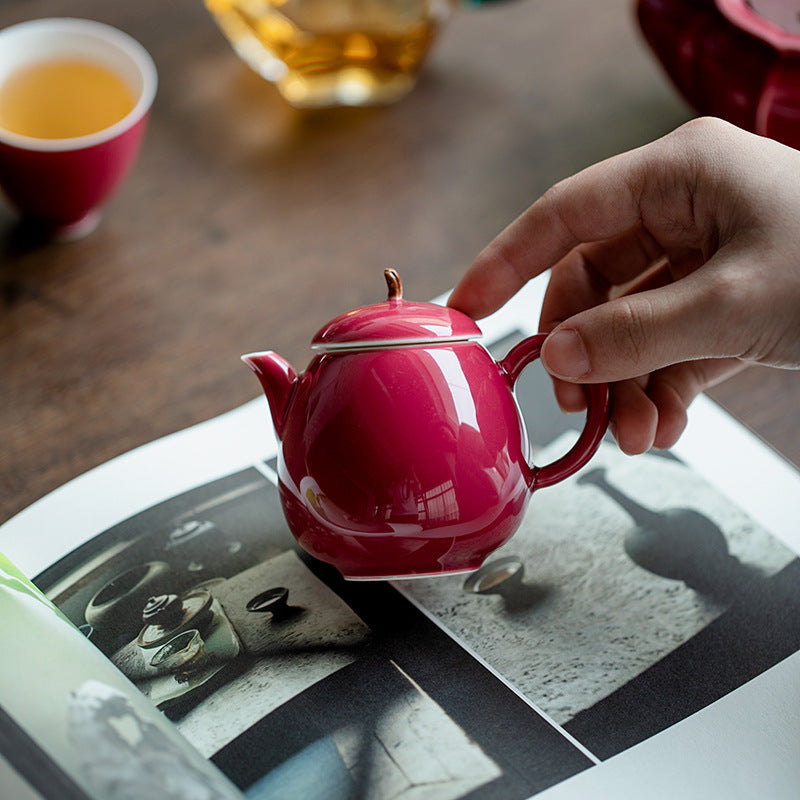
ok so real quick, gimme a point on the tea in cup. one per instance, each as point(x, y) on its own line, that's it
point(334, 52)
point(75, 96)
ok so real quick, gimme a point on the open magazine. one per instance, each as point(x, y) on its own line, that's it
point(638, 635)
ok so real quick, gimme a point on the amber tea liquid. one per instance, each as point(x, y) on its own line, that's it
point(333, 52)
point(63, 98)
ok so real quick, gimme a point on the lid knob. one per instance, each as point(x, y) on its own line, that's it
point(394, 283)
point(394, 322)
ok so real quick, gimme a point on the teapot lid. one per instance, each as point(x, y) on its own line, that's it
point(395, 322)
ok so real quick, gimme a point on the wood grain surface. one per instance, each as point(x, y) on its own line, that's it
point(247, 224)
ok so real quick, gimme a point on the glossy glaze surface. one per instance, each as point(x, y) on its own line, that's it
point(409, 460)
point(404, 461)
point(730, 60)
point(393, 322)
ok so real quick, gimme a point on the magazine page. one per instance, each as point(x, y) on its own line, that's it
point(645, 608)
point(14, 785)
point(71, 726)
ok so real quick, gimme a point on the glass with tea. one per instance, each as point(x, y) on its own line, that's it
point(334, 52)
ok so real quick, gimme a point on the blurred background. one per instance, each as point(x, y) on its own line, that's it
point(247, 223)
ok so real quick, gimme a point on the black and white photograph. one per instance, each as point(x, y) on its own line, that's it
point(620, 581)
point(560, 652)
point(267, 661)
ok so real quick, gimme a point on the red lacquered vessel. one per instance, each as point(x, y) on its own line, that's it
point(402, 449)
point(734, 59)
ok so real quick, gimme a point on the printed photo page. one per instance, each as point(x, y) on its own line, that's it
point(639, 631)
point(72, 726)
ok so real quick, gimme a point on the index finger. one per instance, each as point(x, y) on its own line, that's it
point(602, 201)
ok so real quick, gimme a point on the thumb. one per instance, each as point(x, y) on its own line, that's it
point(636, 334)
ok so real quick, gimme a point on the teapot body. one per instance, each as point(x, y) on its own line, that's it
point(402, 451)
point(404, 461)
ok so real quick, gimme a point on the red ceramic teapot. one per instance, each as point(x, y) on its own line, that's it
point(402, 449)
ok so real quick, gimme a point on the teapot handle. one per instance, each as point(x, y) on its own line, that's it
point(597, 417)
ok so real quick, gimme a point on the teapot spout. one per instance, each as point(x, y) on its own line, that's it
point(278, 379)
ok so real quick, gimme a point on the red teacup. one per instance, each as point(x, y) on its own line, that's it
point(61, 183)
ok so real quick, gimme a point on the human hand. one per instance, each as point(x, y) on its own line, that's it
point(673, 266)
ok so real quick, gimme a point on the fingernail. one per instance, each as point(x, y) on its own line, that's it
point(564, 355)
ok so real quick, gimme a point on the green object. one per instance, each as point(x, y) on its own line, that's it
point(88, 723)
point(12, 579)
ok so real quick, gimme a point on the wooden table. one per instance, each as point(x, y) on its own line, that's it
point(247, 224)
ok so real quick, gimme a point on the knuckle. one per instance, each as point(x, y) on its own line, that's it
point(725, 306)
point(554, 201)
point(679, 385)
point(725, 287)
point(698, 376)
point(698, 134)
point(631, 328)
